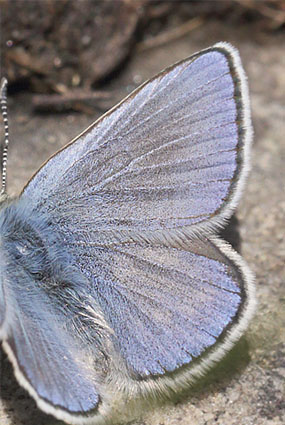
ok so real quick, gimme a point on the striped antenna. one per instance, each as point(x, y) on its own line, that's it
point(3, 100)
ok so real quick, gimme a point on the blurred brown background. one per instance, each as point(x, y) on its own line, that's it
point(67, 62)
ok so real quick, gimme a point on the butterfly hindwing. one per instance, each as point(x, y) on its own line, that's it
point(150, 309)
point(166, 305)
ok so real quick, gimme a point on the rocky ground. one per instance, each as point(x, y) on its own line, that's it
point(247, 387)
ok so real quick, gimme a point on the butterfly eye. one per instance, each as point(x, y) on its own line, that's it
point(21, 250)
point(29, 255)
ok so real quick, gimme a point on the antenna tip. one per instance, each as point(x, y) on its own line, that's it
point(3, 85)
point(3, 197)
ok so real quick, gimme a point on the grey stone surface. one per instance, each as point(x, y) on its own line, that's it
point(247, 387)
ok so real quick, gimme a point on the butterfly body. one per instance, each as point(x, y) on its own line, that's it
point(114, 284)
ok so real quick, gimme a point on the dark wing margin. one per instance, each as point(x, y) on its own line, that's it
point(169, 160)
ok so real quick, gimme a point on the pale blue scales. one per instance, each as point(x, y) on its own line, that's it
point(113, 281)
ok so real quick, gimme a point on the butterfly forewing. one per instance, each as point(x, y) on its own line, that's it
point(167, 157)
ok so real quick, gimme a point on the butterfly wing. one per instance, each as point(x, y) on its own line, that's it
point(166, 162)
point(136, 316)
point(168, 306)
point(54, 338)
point(169, 159)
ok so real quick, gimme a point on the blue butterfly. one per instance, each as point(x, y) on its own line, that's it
point(114, 283)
